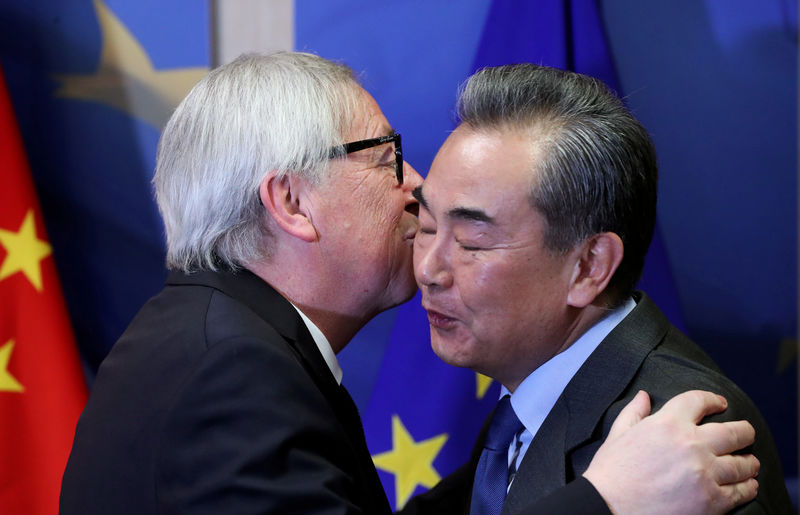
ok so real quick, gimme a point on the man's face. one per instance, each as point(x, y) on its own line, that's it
point(496, 298)
point(369, 219)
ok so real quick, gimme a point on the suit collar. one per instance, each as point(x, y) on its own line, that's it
point(258, 295)
point(597, 384)
point(611, 367)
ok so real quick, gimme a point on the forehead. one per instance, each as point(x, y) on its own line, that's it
point(368, 120)
point(489, 170)
point(355, 173)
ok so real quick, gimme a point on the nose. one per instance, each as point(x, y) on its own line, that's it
point(431, 263)
point(411, 179)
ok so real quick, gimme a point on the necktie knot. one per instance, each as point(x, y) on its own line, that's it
point(503, 427)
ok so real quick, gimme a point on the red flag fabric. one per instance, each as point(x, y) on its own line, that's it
point(42, 387)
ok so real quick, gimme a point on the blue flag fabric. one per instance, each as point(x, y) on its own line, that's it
point(566, 34)
point(423, 415)
point(92, 82)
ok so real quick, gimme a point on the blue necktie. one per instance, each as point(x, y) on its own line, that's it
point(491, 476)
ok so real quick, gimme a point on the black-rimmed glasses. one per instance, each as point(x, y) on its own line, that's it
point(355, 146)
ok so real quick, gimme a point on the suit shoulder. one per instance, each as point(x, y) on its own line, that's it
point(678, 365)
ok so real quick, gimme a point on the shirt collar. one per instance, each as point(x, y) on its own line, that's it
point(323, 345)
point(537, 394)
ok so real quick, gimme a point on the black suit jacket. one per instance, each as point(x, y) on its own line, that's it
point(216, 400)
point(644, 352)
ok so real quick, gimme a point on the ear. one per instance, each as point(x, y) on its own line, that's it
point(281, 196)
point(597, 259)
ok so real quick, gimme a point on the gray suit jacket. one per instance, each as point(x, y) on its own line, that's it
point(644, 352)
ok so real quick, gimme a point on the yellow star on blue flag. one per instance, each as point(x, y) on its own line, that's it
point(125, 78)
point(410, 461)
point(482, 384)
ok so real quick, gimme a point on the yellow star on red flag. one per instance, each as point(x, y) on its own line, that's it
point(42, 387)
point(8, 383)
point(24, 252)
point(411, 462)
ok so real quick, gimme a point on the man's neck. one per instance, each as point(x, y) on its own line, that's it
point(308, 294)
point(582, 320)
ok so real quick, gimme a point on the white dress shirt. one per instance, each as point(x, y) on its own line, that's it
point(323, 345)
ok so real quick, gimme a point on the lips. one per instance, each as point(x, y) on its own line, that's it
point(440, 320)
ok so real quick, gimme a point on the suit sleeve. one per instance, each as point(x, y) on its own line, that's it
point(251, 433)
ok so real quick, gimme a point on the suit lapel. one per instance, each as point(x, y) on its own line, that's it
point(598, 383)
point(610, 368)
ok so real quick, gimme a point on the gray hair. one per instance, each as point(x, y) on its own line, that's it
point(256, 114)
point(598, 169)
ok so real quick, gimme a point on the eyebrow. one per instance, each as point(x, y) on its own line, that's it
point(417, 194)
point(461, 213)
point(388, 132)
point(470, 215)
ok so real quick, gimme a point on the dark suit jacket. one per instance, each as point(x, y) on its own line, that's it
point(644, 352)
point(216, 400)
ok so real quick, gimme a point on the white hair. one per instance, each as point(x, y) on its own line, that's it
point(259, 113)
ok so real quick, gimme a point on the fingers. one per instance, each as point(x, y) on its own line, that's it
point(727, 437)
point(730, 470)
point(694, 405)
point(736, 494)
point(631, 414)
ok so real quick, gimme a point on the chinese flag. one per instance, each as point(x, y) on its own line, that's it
point(42, 388)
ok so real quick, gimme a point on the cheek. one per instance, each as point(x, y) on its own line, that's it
point(364, 225)
point(478, 281)
point(494, 294)
point(378, 212)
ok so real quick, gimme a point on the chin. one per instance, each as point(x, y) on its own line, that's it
point(450, 352)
